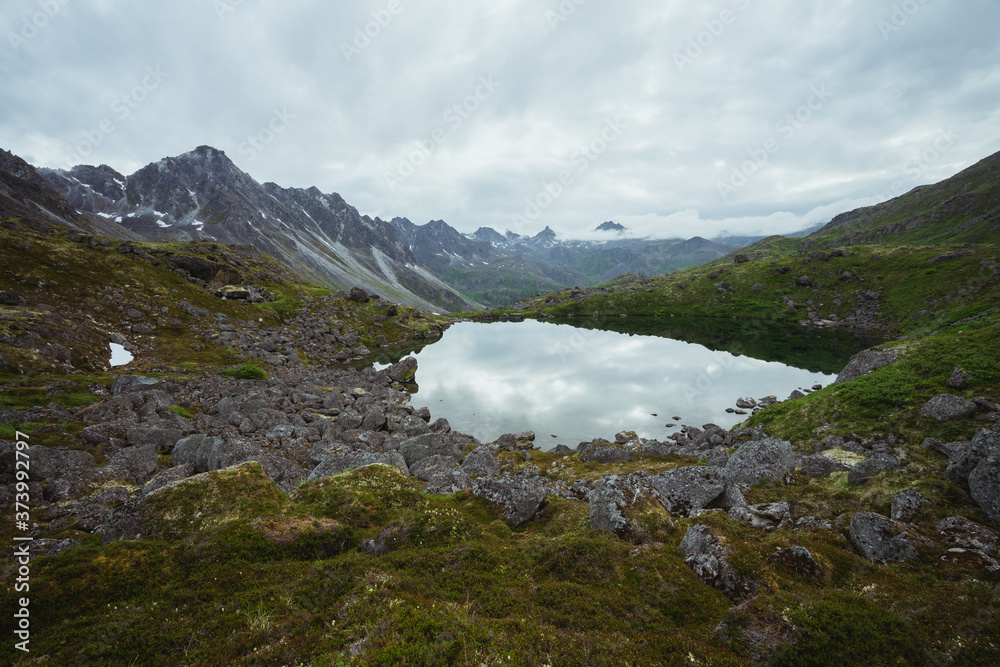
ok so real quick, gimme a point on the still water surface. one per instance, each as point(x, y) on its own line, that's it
point(571, 384)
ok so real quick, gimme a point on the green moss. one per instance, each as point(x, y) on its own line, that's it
point(181, 412)
point(246, 372)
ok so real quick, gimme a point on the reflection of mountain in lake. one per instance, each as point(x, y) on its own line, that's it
point(578, 384)
point(817, 350)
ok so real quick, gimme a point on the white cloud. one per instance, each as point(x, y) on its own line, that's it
point(688, 127)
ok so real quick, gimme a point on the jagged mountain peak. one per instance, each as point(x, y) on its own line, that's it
point(611, 226)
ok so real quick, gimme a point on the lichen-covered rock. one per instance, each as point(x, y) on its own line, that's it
point(404, 370)
point(446, 483)
point(947, 407)
point(337, 463)
point(161, 437)
point(480, 463)
point(168, 476)
point(906, 504)
point(882, 540)
point(865, 362)
point(429, 444)
point(629, 508)
point(708, 555)
point(984, 485)
point(768, 516)
point(604, 452)
point(137, 463)
point(684, 490)
point(517, 499)
point(429, 466)
point(769, 458)
point(963, 533)
point(797, 560)
point(865, 470)
point(820, 466)
point(965, 456)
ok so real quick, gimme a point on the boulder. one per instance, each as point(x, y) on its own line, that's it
point(11, 299)
point(865, 362)
point(516, 499)
point(707, 554)
point(358, 295)
point(429, 444)
point(337, 463)
point(137, 463)
point(947, 407)
point(962, 533)
point(820, 466)
point(797, 560)
point(881, 540)
point(965, 456)
point(429, 466)
point(168, 476)
point(448, 482)
point(686, 490)
point(769, 458)
point(958, 379)
point(159, 437)
point(768, 516)
point(984, 485)
point(194, 450)
point(627, 507)
point(905, 505)
point(480, 463)
point(863, 471)
point(604, 452)
point(124, 384)
point(404, 371)
point(507, 442)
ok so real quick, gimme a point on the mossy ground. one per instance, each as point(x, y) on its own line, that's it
point(282, 581)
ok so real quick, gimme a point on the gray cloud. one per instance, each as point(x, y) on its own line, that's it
point(699, 91)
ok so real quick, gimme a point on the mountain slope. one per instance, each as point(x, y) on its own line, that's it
point(202, 195)
point(963, 208)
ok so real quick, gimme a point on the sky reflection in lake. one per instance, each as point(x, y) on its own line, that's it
point(578, 384)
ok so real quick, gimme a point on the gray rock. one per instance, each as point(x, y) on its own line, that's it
point(429, 466)
point(685, 490)
point(865, 470)
point(124, 384)
point(627, 507)
point(964, 457)
point(446, 483)
point(49, 463)
point(757, 460)
point(958, 379)
point(746, 403)
point(138, 463)
point(429, 444)
point(159, 437)
point(984, 485)
point(253, 404)
point(797, 560)
point(905, 505)
point(865, 362)
point(404, 371)
point(604, 452)
point(517, 499)
point(346, 461)
point(194, 450)
point(962, 533)
point(480, 462)
point(707, 554)
point(947, 407)
point(768, 516)
point(881, 540)
point(820, 466)
point(168, 476)
point(507, 442)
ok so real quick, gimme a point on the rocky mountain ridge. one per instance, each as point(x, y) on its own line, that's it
point(202, 195)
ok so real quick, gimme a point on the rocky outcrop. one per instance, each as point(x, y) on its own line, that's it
point(516, 499)
point(604, 452)
point(708, 554)
point(684, 491)
point(882, 540)
point(769, 458)
point(629, 508)
point(865, 362)
point(984, 485)
point(947, 407)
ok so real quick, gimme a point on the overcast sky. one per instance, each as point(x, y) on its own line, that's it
point(672, 118)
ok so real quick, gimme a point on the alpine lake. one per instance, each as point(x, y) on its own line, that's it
point(572, 381)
